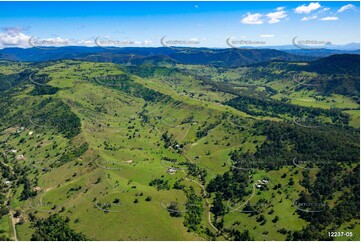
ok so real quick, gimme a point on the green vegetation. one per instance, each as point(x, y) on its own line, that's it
point(157, 150)
point(55, 228)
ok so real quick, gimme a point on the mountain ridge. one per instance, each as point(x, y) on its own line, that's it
point(227, 57)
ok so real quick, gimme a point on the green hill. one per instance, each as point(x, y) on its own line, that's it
point(158, 150)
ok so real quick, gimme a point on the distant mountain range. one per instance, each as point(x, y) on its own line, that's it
point(231, 57)
point(321, 52)
point(328, 47)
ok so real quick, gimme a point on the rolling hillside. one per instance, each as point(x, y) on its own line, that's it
point(177, 145)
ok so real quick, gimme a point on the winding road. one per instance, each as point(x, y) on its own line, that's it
point(207, 202)
point(253, 193)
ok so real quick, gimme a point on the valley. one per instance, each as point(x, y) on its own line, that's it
point(180, 148)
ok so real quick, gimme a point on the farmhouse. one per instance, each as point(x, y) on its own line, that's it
point(37, 189)
point(171, 170)
point(20, 157)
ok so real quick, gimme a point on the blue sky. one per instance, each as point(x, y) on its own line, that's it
point(195, 24)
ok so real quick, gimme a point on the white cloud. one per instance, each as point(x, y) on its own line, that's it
point(280, 8)
point(252, 19)
point(309, 18)
point(325, 9)
point(147, 42)
point(276, 16)
point(267, 35)
point(194, 39)
point(14, 38)
point(307, 9)
point(86, 42)
point(57, 39)
point(346, 7)
point(329, 18)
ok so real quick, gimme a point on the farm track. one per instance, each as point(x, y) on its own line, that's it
point(7, 201)
point(244, 204)
point(13, 224)
point(207, 201)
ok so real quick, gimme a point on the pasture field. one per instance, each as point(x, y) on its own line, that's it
point(133, 157)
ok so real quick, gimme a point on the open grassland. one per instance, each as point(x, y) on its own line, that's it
point(136, 130)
